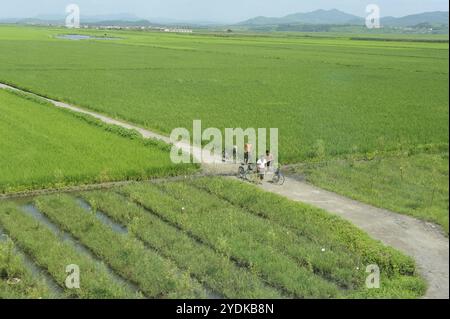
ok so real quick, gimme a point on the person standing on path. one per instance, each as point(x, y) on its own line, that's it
point(247, 150)
point(269, 159)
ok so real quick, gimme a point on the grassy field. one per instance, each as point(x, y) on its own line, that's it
point(412, 184)
point(349, 95)
point(193, 238)
point(43, 147)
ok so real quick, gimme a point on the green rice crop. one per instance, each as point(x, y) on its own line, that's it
point(313, 223)
point(44, 147)
point(208, 237)
point(329, 96)
point(54, 256)
point(278, 251)
point(214, 270)
point(337, 266)
point(275, 267)
point(349, 94)
point(16, 281)
point(156, 276)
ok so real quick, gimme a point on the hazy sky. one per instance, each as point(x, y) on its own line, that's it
point(213, 10)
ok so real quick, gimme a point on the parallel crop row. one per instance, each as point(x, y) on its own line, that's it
point(337, 265)
point(54, 256)
point(215, 270)
point(234, 235)
point(319, 226)
point(156, 277)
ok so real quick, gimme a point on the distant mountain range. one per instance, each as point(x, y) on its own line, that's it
point(60, 19)
point(336, 17)
point(432, 18)
point(123, 19)
point(316, 18)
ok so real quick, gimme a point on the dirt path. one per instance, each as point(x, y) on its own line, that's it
point(423, 241)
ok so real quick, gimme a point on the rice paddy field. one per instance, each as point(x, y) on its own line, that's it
point(44, 147)
point(191, 238)
point(343, 107)
point(352, 96)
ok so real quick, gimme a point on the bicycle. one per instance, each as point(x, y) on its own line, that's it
point(278, 177)
point(245, 169)
point(253, 176)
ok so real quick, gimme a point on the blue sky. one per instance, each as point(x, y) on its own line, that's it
point(214, 10)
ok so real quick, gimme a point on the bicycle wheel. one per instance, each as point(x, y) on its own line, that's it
point(241, 172)
point(275, 179)
point(278, 179)
point(251, 176)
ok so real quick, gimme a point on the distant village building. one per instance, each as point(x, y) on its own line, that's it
point(178, 30)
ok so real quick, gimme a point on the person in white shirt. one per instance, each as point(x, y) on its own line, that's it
point(261, 166)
